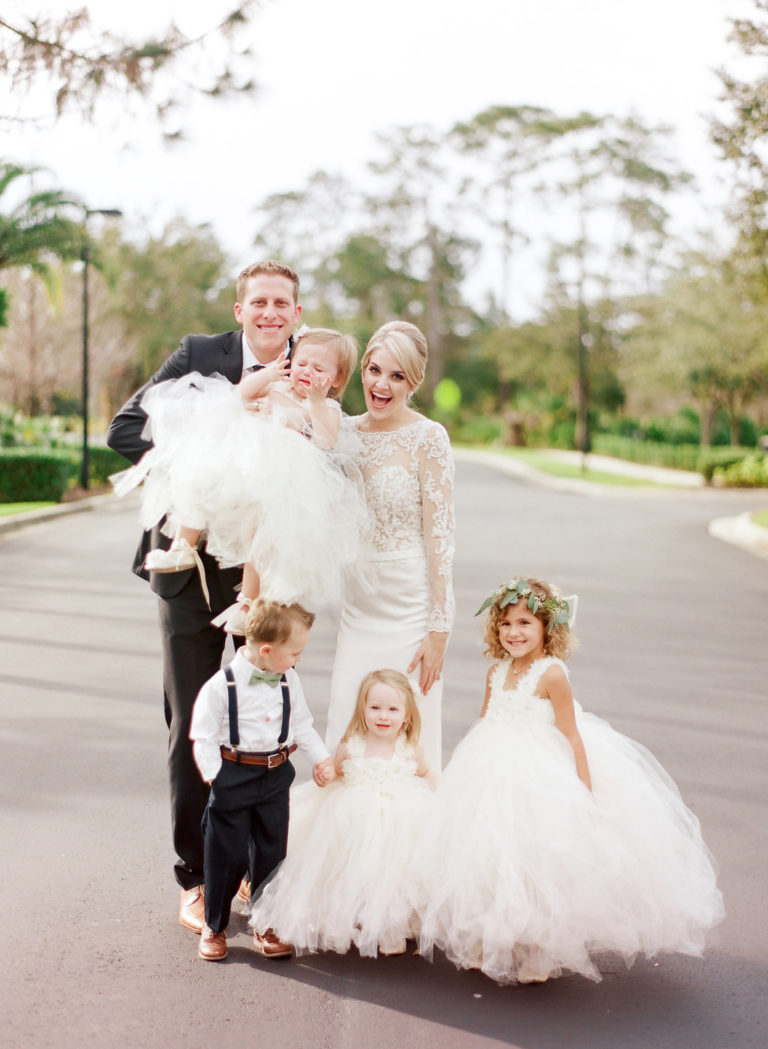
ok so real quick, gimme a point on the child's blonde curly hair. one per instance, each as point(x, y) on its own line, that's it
point(544, 601)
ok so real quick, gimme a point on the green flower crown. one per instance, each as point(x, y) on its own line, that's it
point(512, 592)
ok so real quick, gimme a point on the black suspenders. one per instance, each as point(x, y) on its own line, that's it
point(234, 732)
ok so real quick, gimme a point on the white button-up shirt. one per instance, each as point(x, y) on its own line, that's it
point(250, 360)
point(259, 718)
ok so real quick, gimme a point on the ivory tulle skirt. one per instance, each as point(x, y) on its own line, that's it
point(263, 492)
point(529, 874)
point(349, 877)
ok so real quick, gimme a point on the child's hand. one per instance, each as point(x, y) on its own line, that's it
point(279, 368)
point(319, 385)
point(324, 773)
point(257, 384)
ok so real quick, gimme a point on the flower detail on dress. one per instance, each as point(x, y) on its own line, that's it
point(360, 771)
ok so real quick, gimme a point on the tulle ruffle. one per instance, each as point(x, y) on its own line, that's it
point(529, 875)
point(349, 877)
point(262, 492)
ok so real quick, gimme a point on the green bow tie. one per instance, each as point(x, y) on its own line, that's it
point(265, 677)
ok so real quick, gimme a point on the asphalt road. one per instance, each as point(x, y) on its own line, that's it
point(673, 651)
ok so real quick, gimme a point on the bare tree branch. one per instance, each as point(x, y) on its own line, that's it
point(82, 64)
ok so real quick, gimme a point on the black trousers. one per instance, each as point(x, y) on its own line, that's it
point(192, 653)
point(246, 829)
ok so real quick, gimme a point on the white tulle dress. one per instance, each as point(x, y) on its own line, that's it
point(349, 876)
point(263, 492)
point(530, 875)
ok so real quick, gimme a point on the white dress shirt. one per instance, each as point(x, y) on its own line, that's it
point(250, 360)
point(259, 718)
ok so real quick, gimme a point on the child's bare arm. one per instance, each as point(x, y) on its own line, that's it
point(341, 756)
point(559, 693)
point(487, 690)
point(424, 771)
point(256, 385)
point(324, 414)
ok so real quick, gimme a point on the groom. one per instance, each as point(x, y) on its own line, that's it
point(267, 309)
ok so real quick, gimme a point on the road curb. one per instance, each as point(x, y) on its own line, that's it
point(15, 521)
point(741, 531)
point(516, 468)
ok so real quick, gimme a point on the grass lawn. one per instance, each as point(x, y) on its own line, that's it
point(6, 509)
point(538, 459)
point(760, 517)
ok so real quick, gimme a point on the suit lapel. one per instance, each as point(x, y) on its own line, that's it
point(231, 356)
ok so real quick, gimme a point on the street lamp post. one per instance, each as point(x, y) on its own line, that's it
point(85, 465)
point(582, 413)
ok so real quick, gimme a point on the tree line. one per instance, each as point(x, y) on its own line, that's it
point(450, 228)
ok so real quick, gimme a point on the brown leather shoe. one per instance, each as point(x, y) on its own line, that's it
point(213, 945)
point(192, 909)
point(244, 891)
point(267, 943)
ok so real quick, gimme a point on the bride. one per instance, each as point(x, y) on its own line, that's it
point(401, 617)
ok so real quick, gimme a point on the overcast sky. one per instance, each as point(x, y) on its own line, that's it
point(334, 72)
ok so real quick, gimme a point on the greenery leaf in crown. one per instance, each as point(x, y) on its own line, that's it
point(512, 592)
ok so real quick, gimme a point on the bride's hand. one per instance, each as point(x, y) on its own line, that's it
point(431, 655)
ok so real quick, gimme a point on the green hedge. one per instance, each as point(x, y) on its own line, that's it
point(749, 472)
point(44, 475)
point(105, 462)
point(676, 456)
point(29, 476)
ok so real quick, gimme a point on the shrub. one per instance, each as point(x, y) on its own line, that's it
point(675, 456)
point(28, 476)
point(105, 462)
point(711, 459)
point(480, 429)
point(749, 472)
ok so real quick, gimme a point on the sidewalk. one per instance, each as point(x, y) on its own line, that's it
point(640, 471)
point(515, 467)
point(49, 513)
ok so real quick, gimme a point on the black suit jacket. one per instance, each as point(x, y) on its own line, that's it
point(206, 354)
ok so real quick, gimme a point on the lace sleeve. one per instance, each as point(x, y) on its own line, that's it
point(436, 471)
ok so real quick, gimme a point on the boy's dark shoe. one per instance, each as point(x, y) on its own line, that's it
point(213, 945)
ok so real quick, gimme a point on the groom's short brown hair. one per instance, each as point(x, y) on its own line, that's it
point(274, 269)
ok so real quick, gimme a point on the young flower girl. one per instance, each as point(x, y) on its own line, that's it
point(275, 500)
point(557, 838)
point(349, 876)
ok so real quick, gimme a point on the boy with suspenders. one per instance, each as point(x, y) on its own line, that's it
point(247, 721)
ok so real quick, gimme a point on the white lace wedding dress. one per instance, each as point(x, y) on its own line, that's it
point(408, 478)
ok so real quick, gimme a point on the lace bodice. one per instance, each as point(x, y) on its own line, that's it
point(521, 702)
point(360, 771)
point(408, 477)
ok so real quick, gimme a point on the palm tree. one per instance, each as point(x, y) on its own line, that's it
point(35, 228)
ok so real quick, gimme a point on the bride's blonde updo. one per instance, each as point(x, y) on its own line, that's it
point(407, 345)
